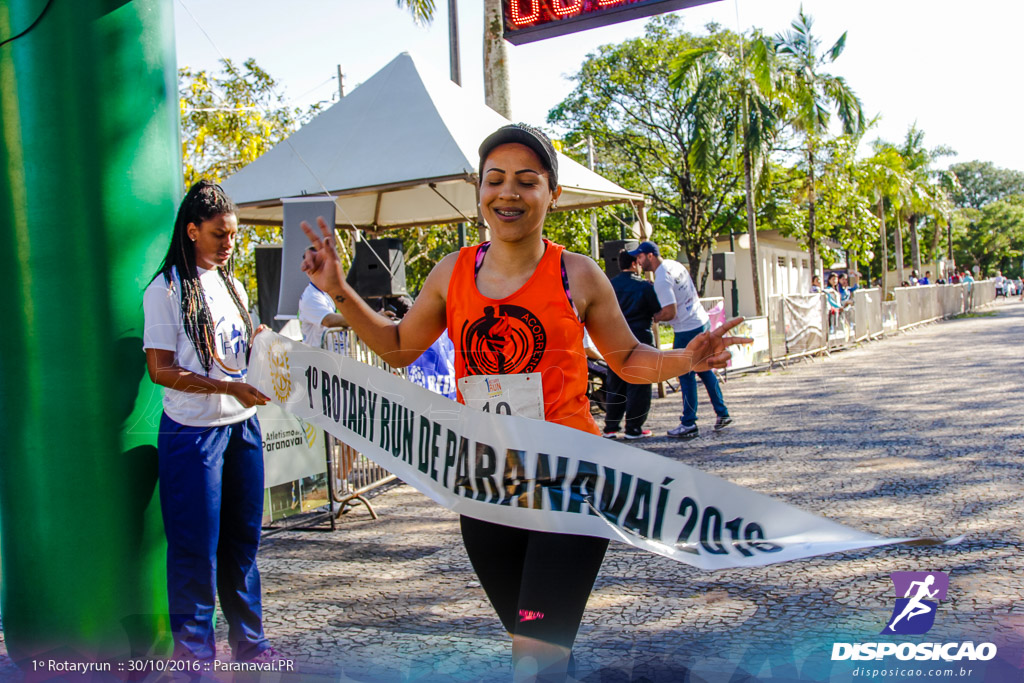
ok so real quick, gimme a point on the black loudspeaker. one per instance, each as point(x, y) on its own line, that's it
point(723, 266)
point(268, 284)
point(378, 268)
point(610, 253)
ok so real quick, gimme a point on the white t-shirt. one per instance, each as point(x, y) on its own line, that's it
point(164, 330)
point(673, 285)
point(314, 305)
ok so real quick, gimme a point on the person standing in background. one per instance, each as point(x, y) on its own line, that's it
point(639, 304)
point(316, 309)
point(682, 309)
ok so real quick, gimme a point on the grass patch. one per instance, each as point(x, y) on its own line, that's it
point(975, 314)
point(665, 336)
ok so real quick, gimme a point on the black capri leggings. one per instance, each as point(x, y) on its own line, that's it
point(538, 582)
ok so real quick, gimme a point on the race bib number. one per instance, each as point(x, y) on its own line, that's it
point(521, 395)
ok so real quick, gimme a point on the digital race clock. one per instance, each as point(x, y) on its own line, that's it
point(529, 20)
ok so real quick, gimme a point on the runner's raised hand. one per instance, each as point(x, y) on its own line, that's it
point(710, 349)
point(326, 271)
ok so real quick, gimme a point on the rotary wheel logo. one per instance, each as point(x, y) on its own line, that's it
point(280, 371)
point(507, 340)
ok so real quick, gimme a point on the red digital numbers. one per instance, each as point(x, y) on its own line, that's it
point(519, 18)
point(529, 20)
point(530, 12)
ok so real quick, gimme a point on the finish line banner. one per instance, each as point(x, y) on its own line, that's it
point(538, 475)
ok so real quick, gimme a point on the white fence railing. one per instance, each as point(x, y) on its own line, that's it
point(803, 324)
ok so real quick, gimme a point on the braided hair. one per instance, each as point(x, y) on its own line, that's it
point(205, 200)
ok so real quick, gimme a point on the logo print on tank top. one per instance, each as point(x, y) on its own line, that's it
point(506, 341)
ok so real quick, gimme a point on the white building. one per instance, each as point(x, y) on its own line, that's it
point(784, 268)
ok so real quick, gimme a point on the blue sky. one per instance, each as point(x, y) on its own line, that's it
point(949, 66)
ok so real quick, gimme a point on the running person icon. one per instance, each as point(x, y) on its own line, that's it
point(518, 305)
point(915, 607)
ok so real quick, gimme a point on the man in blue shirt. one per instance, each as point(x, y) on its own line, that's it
point(639, 303)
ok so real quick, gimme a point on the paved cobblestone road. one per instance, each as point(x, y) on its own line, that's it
point(917, 435)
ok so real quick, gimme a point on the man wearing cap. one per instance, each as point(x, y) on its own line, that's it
point(639, 304)
point(681, 308)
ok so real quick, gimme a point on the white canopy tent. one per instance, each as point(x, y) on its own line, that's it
point(399, 151)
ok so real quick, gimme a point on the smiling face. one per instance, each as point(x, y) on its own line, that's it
point(514, 193)
point(214, 240)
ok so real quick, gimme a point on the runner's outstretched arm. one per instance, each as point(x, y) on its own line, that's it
point(628, 358)
point(398, 344)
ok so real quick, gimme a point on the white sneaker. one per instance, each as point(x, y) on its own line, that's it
point(684, 431)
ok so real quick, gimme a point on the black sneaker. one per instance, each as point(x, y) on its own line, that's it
point(611, 435)
point(722, 422)
point(684, 431)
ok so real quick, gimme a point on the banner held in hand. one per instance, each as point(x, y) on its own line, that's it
point(538, 475)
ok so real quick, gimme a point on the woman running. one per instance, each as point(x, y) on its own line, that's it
point(210, 449)
point(519, 304)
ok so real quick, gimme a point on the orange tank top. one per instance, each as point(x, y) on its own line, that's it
point(534, 329)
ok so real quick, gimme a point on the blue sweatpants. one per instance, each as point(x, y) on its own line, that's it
point(688, 382)
point(211, 495)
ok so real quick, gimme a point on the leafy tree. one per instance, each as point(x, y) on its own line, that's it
point(845, 206)
point(672, 143)
point(423, 246)
point(992, 236)
point(815, 94)
point(228, 119)
point(982, 182)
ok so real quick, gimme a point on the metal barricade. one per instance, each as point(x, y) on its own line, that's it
point(350, 474)
point(867, 311)
point(983, 292)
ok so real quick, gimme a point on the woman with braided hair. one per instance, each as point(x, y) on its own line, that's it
point(197, 338)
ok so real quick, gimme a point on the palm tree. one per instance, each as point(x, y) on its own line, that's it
point(926, 198)
point(815, 94)
point(755, 115)
point(886, 174)
point(422, 11)
point(949, 185)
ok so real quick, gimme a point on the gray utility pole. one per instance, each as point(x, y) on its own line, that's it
point(593, 216)
point(341, 84)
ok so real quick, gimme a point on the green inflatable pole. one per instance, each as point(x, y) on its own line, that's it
point(91, 176)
